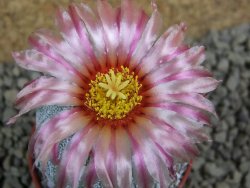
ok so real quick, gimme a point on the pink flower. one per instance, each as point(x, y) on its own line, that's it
point(137, 98)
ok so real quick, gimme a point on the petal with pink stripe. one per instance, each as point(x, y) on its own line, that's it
point(50, 83)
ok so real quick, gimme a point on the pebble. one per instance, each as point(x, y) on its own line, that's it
point(233, 80)
point(10, 96)
point(8, 112)
point(222, 185)
point(213, 170)
point(247, 180)
point(220, 137)
point(21, 82)
point(223, 65)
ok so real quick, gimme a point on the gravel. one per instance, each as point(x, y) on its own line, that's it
point(14, 171)
point(223, 163)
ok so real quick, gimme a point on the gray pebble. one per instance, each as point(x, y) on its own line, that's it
point(220, 137)
point(10, 96)
point(16, 71)
point(7, 81)
point(213, 170)
point(247, 180)
point(8, 112)
point(223, 65)
point(233, 80)
point(6, 163)
point(21, 82)
point(222, 185)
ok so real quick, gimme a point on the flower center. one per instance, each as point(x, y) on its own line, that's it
point(114, 94)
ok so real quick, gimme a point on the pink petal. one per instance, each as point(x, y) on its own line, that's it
point(68, 30)
point(183, 125)
point(167, 44)
point(43, 98)
point(148, 37)
point(84, 39)
point(191, 73)
point(131, 23)
point(56, 129)
point(190, 58)
point(110, 29)
point(170, 142)
point(80, 61)
point(95, 32)
point(78, 151)
point(123, 158)
point(50, 83)
point(47, 50)
point(192, 99)
point(185, 111)
point(146, 149)
point(193, 85)
point(36, 61)
point(100, 158)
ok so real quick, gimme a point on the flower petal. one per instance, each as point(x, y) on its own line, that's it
point(146, 149)
point(192, 99)
point(81, 61)
point(131, 23)
point(101, 150)
point(78, 151)
point(184, 125)
point(82, 32)
point(95, 32)
point(185, 111)
point(110, 29)
point(36, 61)
point(43, 98)
point(123, 158)
point(148, 38)
point(50, 83)
point(141, 174)
point(56, 129)
point(167, 44)
point(47, 50)
point(192, 73)
point(193, 85)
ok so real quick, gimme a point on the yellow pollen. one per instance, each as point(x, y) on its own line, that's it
point(114, 94)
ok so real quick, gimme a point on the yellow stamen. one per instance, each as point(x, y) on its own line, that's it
point(114, 94)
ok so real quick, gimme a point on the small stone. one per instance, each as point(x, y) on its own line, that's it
point(1, 82)
point(16, 71)
point(8, 112)
point(214, 170)
point(241, 139)
point(7, 81)
point(236, 154)
point(19, 153)
point(14, 171)
point(233, 80)
point(7, 143)
point(7, 132)
point(10, 95)
point(6, 163)
point(236, 177)
point(223, 65)
point(247, 179)
point(6, 184)
point(244, 167)
point(198, 163)
point(222, 185)
point(220, 137)
point(21, 82)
